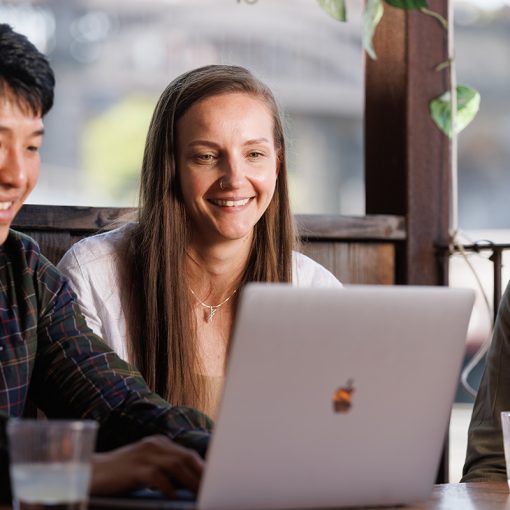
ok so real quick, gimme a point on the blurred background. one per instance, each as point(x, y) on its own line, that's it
point(113, 59)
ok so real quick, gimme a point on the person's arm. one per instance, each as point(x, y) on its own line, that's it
point(485, 459)
point(72, 374)
point(77, 375)
point(154, 462)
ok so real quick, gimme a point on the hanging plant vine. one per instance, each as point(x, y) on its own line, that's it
point(467, 99)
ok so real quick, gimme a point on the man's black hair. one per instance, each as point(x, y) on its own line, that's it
point(25, 72)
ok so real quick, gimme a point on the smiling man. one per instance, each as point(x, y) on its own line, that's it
point(21, 135)
point(47, 353)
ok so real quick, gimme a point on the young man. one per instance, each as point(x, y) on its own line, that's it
point(47, 353)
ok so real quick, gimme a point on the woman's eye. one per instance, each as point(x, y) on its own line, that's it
point(205, 157)
point(255, 154)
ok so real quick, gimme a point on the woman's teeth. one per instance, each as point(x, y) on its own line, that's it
point(231, 203)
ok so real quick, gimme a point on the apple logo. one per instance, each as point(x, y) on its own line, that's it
point(342, 398)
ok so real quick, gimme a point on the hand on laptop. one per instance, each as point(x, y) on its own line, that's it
point(154, 462)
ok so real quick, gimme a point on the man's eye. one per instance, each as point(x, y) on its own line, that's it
point(33, 148)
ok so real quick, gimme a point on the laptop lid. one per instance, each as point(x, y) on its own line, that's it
point(336, 397)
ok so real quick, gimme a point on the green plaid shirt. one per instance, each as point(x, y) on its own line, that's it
point(48, 354)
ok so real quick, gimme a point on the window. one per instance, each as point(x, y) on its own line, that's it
point(113, 59)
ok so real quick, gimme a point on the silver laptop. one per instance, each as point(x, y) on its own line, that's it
point(336, 397)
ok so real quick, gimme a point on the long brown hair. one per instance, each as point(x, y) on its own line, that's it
point(162, 339)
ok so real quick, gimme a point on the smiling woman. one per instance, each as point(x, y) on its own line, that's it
point(214, 214)
point(228, 167)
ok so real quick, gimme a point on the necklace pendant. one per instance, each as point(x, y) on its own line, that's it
point(212, 313)
point(211, 310)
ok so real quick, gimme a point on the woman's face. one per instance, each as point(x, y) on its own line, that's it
point(228, 165)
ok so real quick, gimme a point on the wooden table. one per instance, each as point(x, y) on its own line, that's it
point(455, 496)
point(468, 496)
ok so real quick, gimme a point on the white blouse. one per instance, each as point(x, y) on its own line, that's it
point(92, 269)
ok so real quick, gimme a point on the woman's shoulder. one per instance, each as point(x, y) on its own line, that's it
point(97, 247)
point(306, 272)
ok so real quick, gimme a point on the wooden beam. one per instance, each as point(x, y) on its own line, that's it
point(407, 158)
point(313, 226)
point(375, 227)
point(70, 218)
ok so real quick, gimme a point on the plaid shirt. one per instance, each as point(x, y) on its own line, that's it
point(48, 353)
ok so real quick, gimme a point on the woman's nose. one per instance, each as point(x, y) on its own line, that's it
point(233, 173)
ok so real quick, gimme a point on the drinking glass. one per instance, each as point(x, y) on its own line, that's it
point(505, 426)
point(50, 463)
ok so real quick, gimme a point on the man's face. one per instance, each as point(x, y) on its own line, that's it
point(21, 134)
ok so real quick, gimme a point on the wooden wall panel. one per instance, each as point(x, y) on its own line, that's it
point(53, 244)
point(351, 262)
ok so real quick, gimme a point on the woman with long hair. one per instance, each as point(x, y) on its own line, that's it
point(214, 214)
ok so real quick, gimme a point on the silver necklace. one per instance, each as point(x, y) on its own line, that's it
point(212, 308)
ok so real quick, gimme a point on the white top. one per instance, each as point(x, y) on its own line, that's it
point(91, 266)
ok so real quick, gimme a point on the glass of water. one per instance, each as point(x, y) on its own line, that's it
point(50, 463)
point(505, 426)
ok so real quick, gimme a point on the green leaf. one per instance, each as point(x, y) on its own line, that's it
point(468, 103)
point(407, 4)
point(372, 14)
point(335, 8)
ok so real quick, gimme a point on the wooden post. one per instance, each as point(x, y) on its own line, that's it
point(407, 158)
